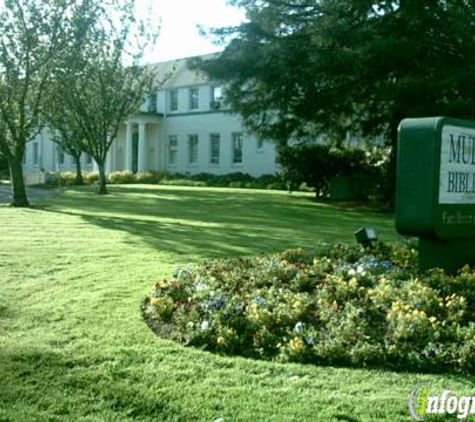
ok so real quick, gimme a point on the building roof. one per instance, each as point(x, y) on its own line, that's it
point(176, 73)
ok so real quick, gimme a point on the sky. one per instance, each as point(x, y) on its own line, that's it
point(179, 36)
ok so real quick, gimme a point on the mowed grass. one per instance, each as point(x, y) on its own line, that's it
point(74, 347)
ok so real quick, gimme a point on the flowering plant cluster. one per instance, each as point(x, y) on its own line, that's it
point(342, 305)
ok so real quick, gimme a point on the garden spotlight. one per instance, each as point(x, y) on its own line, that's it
point(365, 235)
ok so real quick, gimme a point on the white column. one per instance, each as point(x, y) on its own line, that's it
point(142, 147)
point(128, 146)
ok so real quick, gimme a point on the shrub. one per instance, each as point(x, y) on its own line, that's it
point(339, 305)
point(307, 163)
point(268, 181)
point(91, 177)
point(316, 164)
point(120, 177)
point(182, 182)
point(150, 177)
point(64, 178)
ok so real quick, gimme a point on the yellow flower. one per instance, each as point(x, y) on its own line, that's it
point(154, 301)
point(433, 319)
point(221, 340)
point(296, 344)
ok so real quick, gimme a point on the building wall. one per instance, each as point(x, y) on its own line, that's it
point(42, 155)
point(210, 117)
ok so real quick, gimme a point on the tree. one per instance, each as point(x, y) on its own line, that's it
point(305, 67)
point(109, 83)
point(67, 134)
point(33, 35)
point(3, 167)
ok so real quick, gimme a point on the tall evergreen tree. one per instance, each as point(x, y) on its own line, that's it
point(311, 66)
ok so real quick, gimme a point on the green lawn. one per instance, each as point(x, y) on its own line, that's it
point(73, 346)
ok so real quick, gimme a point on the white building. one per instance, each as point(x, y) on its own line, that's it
point(185, 127)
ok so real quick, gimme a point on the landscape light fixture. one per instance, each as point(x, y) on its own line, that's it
point(365, 235)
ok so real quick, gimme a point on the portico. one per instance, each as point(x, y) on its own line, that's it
point(141, 142)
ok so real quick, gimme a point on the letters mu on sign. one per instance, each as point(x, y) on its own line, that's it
point(457, 166)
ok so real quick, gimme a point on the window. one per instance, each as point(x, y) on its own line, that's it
point(260, 144)
point(192, 149)
point(60, 157)
point(173, 100)
point(35, 153)
point(214, 146)
point(172, 149)
point(216, 97)
point(217, 93)
point(237, 148)
point(152, 105)
point(88, 159)
point(194, 98)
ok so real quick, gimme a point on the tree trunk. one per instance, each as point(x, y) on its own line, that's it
point(20, 198)
point(102, 179)
point(78, 180)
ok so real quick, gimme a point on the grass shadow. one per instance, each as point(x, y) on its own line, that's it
point(218, 222)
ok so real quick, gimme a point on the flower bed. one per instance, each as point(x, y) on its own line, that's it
point(340, 305)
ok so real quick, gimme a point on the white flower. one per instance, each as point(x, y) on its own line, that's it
point(205, 326)
point(351, 271)
point(360, 269)
point(299, 327)
point(200, 286)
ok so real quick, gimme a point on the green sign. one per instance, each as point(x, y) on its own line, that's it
point(435, 195)
point(436, 178)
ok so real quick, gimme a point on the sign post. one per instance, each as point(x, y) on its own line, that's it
point(435, 190)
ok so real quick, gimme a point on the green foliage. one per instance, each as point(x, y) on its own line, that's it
point(108, 82)
point(120, 177)
point(342, 305)
point(310, 67)
point(34, 35)
point(236, 180)
point(309, 163)
point(68, 178)
point(343, 64)
point(316, 164)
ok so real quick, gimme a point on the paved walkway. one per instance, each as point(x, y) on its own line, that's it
point(34, 194)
